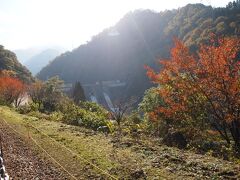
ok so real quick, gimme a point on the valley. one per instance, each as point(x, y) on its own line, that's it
point(138, 90)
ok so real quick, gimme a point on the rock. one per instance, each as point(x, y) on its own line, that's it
point(79, 121)
point(104, 129)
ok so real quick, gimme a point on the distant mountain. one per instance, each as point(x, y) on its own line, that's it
point(24, 55)
point(8, 61)
point(37, 62)
point(141, 37)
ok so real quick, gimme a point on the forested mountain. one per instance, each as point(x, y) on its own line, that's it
point(8, 61)
point(141, 37)
point(37, 62)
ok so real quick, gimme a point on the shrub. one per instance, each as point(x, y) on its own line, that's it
point(25, 109)
point(38, 115)
point(93, 107)
point(79, 116)
point(35, 106)
point(55, 116)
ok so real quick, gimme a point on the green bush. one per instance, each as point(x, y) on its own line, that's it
point(35, 106)
point(111, 126)
point(93, 107)
point(79, 116)
point(25, 109)
point(134, 125)
point(38, 115)
point(55, 116)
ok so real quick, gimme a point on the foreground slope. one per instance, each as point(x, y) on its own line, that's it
point(145, 158)
point(141, 37)
point(22, 162)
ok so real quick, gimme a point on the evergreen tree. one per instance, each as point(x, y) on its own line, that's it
point(78, 93)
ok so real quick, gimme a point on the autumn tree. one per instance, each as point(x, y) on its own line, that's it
point(203, 87)
point(12, 90)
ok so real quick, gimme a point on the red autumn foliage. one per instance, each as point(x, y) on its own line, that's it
point(208, 80)
point(12, 90)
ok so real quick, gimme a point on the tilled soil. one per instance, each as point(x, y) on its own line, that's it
point(22, 162)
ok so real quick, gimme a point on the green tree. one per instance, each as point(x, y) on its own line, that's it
point(149, 103)
point(53, 93)
point(36, 92)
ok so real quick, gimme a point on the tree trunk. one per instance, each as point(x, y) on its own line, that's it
point(235, 132)
point(119, 131)
point(223, 134)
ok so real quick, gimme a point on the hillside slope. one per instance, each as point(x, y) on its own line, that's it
point(22, 162)
point(78, 148)
point(141, 37)
point(9, 61)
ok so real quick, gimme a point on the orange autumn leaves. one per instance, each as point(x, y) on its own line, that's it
point(207, 80)
point(12, 90)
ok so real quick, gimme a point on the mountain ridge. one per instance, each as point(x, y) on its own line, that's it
point(38, 61)
point(141, 37)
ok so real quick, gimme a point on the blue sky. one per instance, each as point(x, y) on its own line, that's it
point(69, 23)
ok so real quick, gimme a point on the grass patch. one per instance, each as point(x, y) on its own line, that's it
point(126, 161)
point(94, 147)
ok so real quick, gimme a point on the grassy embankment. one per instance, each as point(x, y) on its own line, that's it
point(94, 147)
point(145, 158)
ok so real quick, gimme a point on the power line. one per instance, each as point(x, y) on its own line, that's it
point(35, 142)
point(73, 153)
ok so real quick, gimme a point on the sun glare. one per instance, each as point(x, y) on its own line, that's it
point(67, 23)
